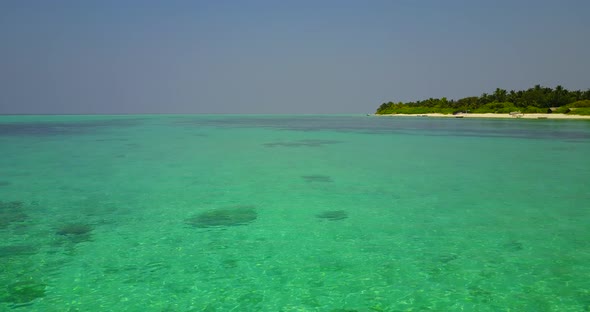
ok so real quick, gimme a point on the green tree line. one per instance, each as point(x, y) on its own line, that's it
point(537, 99)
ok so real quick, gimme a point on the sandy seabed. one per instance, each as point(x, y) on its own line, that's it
point(518, 116)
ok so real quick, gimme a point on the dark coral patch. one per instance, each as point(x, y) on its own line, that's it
point(75, 232)
point(333, 215)
point(5, 183)
point(24, 292)
point(301, 143)
point(17, 250)
point(11, 212)
point(61, 128)
point(74, 229)
point(513, 245)
point(234, 216)
point(446, 258)
point(317, 178)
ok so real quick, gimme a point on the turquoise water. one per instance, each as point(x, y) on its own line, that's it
point(293, 213)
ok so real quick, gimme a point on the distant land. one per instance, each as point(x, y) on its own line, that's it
point(538, 100)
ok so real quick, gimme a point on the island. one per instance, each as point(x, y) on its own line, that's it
point(535, 103)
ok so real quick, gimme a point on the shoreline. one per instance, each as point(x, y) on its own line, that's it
point(492, 115)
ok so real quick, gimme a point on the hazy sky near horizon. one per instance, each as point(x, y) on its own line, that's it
point(280, 56)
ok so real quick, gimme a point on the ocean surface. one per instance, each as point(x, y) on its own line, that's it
point(293, 213)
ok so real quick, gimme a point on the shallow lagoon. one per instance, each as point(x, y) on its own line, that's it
point(293, 213)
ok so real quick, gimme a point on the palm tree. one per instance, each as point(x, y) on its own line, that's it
point(500, 95)
point(558, 95)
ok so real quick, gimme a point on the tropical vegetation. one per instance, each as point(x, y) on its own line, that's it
point(537, 99)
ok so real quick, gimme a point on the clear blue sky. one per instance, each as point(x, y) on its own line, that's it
point(280, 56)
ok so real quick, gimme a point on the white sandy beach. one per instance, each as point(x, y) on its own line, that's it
point(508, 116)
